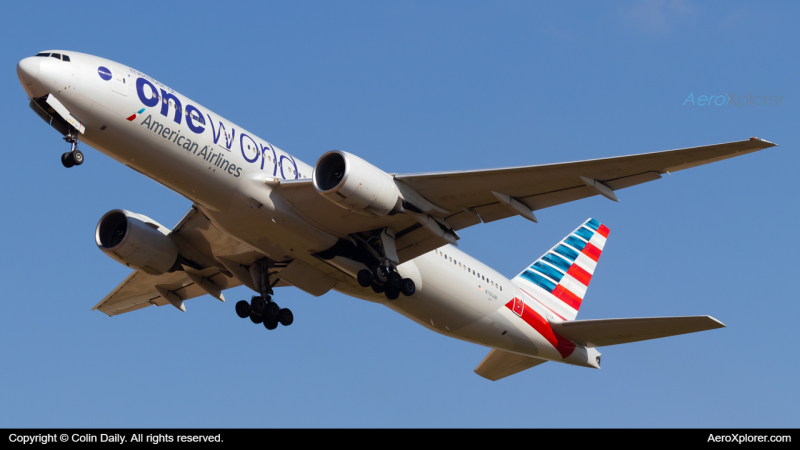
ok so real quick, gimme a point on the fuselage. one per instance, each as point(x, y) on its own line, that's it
point(222, 168)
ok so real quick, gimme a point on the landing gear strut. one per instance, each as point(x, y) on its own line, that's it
point(261, 308)
point(74, 157)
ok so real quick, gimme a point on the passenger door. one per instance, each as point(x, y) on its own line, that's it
point(119, 81)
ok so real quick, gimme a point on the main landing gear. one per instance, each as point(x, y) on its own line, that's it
point(386, 280)
point(264, 310)
point(74, 157)
point(261, 308)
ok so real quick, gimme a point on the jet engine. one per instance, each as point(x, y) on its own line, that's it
point(354, 184)
point(137, 241)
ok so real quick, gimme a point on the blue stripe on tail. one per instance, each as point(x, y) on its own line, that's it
point(549, 271)
point(575, 243)
point(584, 233)
point(539, 280)
point(557, 261)
point(567, 252)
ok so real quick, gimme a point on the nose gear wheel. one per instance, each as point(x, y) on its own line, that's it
point(74, 157)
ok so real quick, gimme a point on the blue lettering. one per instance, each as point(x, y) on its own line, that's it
point(152, 101)
point(241, 146)
point(215, 134)
point(165, 98)
point(288, 158)
point(190, 119)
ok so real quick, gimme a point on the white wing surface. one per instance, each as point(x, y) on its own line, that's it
point(483, 196)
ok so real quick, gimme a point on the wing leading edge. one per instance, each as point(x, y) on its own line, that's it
point(543, 186)
point(483, 196)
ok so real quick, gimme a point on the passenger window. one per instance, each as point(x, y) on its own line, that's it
point(56, 55)
point(65, 58)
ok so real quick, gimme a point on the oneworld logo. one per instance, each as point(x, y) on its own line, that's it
point(104, 73)
point(170, 106)
point(734, 100)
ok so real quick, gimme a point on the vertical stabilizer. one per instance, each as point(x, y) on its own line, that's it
point(559, 279)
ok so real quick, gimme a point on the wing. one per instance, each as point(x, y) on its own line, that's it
point(482, 196)
point(199, 241)
point(140, 290)
point(224, 264)
point(539, 187)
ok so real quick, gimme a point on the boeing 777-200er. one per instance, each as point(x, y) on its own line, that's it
point(263, 219)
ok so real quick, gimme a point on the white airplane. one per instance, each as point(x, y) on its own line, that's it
point(263, 219)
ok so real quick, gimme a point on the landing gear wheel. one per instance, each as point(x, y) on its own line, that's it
point(77, 157)
point(272, 310)
point(377, 288)
point(256, 319)
point(382, 275)
point(242, 309)
point(258, 305)
point(408, 287)
point(66, 160)
point(392, 294)
point(364, 278)
point(285, 317)
point(395, 280)
point(271, 324)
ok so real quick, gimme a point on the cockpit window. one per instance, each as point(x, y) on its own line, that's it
point(65, 58)
point(56, 55)
point(42, 54)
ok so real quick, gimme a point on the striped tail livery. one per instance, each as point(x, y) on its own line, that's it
point(559, 279)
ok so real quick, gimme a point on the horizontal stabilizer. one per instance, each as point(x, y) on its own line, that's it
point(500, 364)
point(602, 332)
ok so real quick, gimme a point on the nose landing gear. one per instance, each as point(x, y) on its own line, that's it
point(74, 157)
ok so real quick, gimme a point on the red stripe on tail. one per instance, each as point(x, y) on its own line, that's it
point(579, 274)
point(567, 297)
point(592, 252)
point(564, 346)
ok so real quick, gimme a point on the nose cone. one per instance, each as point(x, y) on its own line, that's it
point(28, 69)
point(28, 72)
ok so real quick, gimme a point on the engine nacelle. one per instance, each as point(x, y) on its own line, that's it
point(354, 184)
point(137, 241)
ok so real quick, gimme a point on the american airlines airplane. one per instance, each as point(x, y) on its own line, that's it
point(263, 219)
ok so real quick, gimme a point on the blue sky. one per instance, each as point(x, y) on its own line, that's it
point(420, 86)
